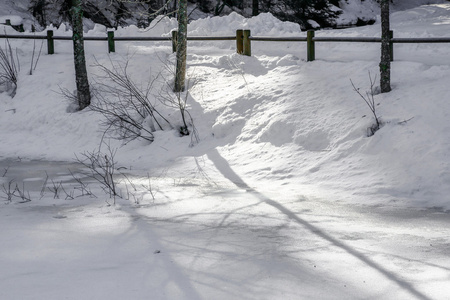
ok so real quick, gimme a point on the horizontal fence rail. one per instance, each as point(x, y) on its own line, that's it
point(421, 40)
point(347, 39)
point(278, 39)
point(243, 40)
point(211, 38)
point(138, 39)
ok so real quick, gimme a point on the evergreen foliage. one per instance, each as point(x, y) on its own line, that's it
point(114, 13)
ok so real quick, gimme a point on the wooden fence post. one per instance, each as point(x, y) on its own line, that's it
point(391, 44)
point(50, 42)
point(174, 41)
point(247, 45)
point(310, 46)
point(240, 41)
point(111, 45)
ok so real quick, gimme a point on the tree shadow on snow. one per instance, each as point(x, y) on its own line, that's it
point(223, 166)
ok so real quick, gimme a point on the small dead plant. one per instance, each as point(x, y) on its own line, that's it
point(5, 171)
point(35, 60)
point(102, 167)
point(23, 194)
point(82, 187)
point(8, 191)
point(369, 99)
point(12, 190)
point(56, 188)
point(149, 187)
point(178, 100)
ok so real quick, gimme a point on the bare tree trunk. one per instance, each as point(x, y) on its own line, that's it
point(83, 93)
point(385, 64)
point(255, 8)
point(180, 74)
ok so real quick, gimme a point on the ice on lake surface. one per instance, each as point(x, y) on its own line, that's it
point(33, 173)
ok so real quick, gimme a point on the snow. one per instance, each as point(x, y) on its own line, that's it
point(353, 10)
point(284, 196)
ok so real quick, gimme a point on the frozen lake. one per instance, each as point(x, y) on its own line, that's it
point(33, 173)
point(197, 241)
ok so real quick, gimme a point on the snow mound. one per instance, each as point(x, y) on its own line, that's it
point(261, 25)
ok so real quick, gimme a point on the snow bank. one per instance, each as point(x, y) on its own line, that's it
point(280, 123)
point(262, 25)
point(352, 11)
point(15, 20)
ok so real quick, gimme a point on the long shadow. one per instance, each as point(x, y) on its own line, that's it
point(223, 166)
point(175, 273)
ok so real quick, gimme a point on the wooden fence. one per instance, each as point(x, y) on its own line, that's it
point(243, 40)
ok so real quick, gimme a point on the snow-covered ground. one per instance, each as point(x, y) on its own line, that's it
point(283, 197)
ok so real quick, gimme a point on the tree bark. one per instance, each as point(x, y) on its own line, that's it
point(180, 74)
point(385, 64)
point(83, 92)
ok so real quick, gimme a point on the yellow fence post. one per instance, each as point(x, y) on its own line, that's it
point(174, 41)
point(240, 41)
point(247, 43)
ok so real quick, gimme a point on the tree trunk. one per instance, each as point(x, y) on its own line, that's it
point(255, 8)
point(83, 93)
point(385, 64)
point(180, 74)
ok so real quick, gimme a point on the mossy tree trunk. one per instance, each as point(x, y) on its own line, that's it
point(385, 64)
point(83, 92)
point(180, 72)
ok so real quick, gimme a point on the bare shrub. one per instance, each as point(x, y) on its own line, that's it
point(102, 167)
point(12, 190)
point(178, 100)
point(5, 170)
point(128, 109)
point(33, 63)
point(9, 69)
point(369, 99)
point(148, 188)
point(56, 189)
point(23, 194)
point(8, 191)
point(71, 98)
point(82, 187)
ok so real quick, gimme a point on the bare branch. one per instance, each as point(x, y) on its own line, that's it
point(369, 99)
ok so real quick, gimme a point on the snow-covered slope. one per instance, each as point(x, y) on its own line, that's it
point(283, 196)
point(282, 124)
